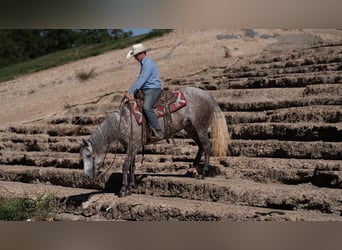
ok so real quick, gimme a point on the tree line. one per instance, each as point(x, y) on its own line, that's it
point(19, 45)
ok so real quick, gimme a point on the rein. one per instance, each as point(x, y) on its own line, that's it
point(130, 142)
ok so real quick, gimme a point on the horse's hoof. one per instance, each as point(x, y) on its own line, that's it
point(200, 177)
point(193, 173)
point(124, 193)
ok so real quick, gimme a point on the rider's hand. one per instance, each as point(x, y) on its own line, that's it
point(126, 94)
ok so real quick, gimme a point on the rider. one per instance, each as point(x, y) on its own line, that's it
point(149, 83)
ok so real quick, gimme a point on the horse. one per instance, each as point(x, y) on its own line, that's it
point(200, 114)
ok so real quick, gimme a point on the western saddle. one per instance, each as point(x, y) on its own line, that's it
point(166, 98)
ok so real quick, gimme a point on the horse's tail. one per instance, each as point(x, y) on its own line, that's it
point(219, 133)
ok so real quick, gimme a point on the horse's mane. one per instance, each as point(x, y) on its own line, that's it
point(106, 132)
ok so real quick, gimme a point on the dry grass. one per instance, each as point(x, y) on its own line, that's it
point(84, 76)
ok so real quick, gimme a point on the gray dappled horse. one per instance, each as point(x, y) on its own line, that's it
point(200, 113)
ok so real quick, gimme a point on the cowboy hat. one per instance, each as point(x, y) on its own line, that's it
point(136, 49)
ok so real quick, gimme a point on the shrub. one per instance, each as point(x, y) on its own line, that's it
point(84, 76)
point(18, 209)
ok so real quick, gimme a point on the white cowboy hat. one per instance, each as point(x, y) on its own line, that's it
point(136, 49)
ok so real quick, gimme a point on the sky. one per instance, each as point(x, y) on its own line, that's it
point(138, 31)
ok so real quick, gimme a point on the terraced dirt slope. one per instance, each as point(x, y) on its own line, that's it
point(282, 104)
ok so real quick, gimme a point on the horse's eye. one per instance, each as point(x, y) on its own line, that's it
point(88, 155)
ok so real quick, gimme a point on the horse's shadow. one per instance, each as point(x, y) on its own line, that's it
point(76, 200)
point(112, 185)
point(114, 182)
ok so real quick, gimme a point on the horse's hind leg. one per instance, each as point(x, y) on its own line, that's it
point(205, 145)
point(202, 140)
point(198, 156)
point(192, 133)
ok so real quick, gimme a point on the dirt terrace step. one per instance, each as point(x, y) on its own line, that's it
point(88, 204)
point(288, 171)
point(51, 129)
point(274, 74)
point(40, 159)
point(306, 64)
point(245, 192)
point(275, 130)
point(8, 156)
point(48, 175)
point(71, 144)
point(250, 148)
point(110, 180)
point(31, 144)
point(286, 149)
point(282, 69)
point(277, 81)
point(100, 107)
point(218, 189)
point(228, 105)
point(150, 164)
point(77, 120)
point(323, 114)
point(42, 133)
point(287, 131)
point(313, 55)
point(278, 94)
point(282, 81)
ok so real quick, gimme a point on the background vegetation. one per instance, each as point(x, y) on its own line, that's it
point(27, 51)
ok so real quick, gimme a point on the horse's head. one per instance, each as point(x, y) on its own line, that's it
point(90, 159)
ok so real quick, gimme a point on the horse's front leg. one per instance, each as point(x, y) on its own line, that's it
point(131, 184)
point(128, 180)
point(124, 187)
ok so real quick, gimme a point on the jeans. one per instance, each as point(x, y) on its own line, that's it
point(150, 99)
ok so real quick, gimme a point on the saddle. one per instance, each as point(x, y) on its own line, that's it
point(169, 101)
point(166, 97)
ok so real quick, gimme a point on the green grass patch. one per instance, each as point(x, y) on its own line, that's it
point(19, 209)
point(70, 55)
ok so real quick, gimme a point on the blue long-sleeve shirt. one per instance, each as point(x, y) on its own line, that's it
point(148, 78)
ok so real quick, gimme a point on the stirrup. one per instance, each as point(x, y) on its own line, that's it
point(156, 135)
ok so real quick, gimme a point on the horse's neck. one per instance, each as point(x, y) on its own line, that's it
point(105, 133)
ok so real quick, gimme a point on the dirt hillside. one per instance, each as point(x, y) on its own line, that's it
point(181, 53)
point(281, 93)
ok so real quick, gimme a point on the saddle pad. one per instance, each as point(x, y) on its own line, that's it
point(159, 110)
